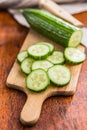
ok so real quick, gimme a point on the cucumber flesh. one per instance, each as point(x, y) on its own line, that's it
point(38, 51)
point(56, 58)
point(37, 80)
point(59, 75)
point(51, 47)
point(74, 55)
point(43, 64)
point(26, 65)
point(22, 55)
point(75, 39)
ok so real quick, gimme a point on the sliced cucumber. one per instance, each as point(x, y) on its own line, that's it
point(37, 80)
point(74, 55)
point(22, 55)
point(56, 58)
point(51, 47)
point(43, 64)
point(26, 65)
point(59, 75)
point(38, 51)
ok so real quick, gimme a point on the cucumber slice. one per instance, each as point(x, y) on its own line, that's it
point(37, 80)
point(74, 55)
point(43, 64)
point(56, 58)
point(59, 75)
point(38, 51)
point(26, 65)
point(22, 55)
point(51, 47)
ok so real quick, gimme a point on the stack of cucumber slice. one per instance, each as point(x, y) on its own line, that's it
point(43, 64)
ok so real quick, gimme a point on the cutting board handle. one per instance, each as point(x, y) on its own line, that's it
point(32, 109)
point(55, 9)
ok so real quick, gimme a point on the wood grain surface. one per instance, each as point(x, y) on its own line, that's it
point(58, 113)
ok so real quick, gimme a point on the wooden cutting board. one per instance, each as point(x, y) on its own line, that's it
point(16, 79)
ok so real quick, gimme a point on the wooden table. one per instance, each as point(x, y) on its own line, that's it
point(58, 113)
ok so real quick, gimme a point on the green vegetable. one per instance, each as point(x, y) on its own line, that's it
point(51, 47)
point(53, 27)
point(43, 64)
point(59, 75)
point(22, 55)
point(26, 65)
point(38, 51)
point(56, 58)
point(74, 55)
point(37, 80)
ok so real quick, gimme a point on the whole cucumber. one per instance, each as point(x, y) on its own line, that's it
point(53, 27)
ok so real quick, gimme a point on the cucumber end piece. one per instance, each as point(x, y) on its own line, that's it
point(75, 38)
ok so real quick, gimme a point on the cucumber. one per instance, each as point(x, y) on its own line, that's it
point(37, 80)
point(26, 65)
point(22, 55)
point(56, 58)
point(74, 55)
point(59, 75)
point(51, 47)
point(38, 51)
point(53, 27)
point(43, 64)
